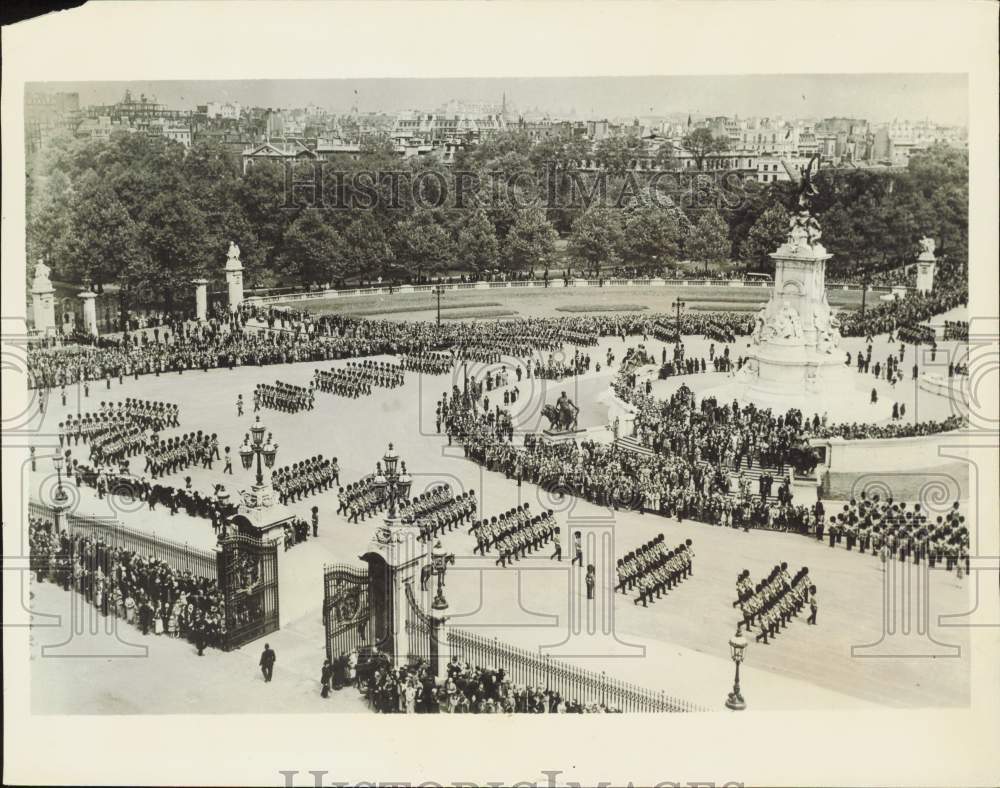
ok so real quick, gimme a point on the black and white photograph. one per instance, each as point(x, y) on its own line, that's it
point(662, 395)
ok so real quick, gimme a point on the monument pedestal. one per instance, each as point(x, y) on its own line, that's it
point(556, 437)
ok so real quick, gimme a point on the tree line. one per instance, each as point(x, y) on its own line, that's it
point(149, 215)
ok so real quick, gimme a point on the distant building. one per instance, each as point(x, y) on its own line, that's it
point(46, 114)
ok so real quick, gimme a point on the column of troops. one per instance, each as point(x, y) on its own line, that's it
point(431, 363)
point(426, 504)
point(148, 414)
point(361, 499)
point(654, 569)
point(307, 477)
point(515, 534)
point(900, 530)
point(442, 515)
point(775, 601)
point(178, 453)
point(357, 378)
point(285, 397)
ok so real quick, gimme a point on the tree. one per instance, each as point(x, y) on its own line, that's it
point(765, 236)
point(422, 244)
point(310, 249)
point(530, 241)
point(708, 239)
point(476, 243)
point(101, 241)
point(597, 238)
point(701, 143)
point(174, 234)
point(367, 248)
point(616, 154)
point(652, 235)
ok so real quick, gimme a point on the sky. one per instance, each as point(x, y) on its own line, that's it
point(941, 98)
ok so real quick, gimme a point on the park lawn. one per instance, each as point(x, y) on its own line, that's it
point(551, 302)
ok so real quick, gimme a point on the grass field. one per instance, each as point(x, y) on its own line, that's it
point(549, 302)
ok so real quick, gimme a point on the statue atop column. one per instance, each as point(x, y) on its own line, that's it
point(42, 275)
point(234, 252)
point(927, 247)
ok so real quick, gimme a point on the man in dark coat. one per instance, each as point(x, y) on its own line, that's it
point(267, 659)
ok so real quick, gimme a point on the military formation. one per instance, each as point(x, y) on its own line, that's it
point(772, 603)
point(284, 397)
point(430, 363)
point(357, 378)
point(440, 516)
point(141, 414)
point(361, 499)
point(897, 530)
point(301, 479)
point(653, 569)
point(515, 534)
point(180, 452)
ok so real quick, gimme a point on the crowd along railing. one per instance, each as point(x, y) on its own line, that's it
point(180, 556)
point(572, 683)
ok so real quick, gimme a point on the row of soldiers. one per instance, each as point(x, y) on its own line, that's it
point(179, 453)
point(148, 414)
point(116, 444)
point(900, 530)
point(514, 532)
point(425, 503)
point(356, 379)
point(430, 363)
point(307, 477)
point(282, 396)
point(654, 569)
point(360, 499)
point(774, 602)
point(445, 516)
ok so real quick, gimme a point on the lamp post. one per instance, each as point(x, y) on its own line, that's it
point(737, 645)
point(438, 291)
point(678, 305)
point(58, 461)
point(256, 446)
point(439, 560)
point(392, 481)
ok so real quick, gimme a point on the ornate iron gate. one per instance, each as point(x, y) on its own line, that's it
point(346, 609)
point(248, 579)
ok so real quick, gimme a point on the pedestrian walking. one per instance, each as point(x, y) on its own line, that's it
point(267, 659)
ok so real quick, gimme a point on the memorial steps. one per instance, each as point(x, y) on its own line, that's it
point(752, 475)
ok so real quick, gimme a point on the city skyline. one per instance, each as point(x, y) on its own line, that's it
point(879, 98)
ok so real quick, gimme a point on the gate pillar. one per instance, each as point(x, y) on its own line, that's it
point(394, 558)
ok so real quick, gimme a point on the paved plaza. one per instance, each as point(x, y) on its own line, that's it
point(678, 645)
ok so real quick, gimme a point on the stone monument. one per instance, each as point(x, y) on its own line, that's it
point(794, 358)
point(43, 300)
point(926, 266)
point(234, 276)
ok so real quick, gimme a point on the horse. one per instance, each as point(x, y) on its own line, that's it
point(428, 569)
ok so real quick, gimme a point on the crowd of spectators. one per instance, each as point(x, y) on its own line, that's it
point(142, 591)
point(467, 689)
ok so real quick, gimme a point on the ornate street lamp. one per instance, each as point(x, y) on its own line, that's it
point(254, 446)
point(392, 481)
point(58, 462)
point(678, 305)
point(737, 645)
point(439, 560)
